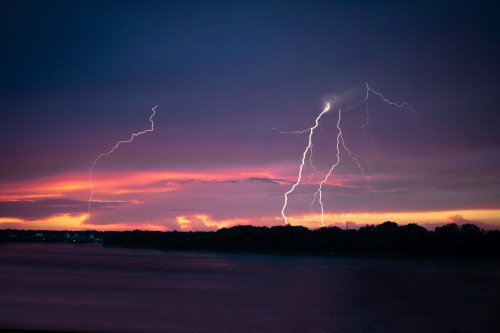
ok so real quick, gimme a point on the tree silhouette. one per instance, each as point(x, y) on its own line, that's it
point(384, 239)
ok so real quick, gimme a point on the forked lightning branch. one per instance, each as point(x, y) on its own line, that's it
point(340, 144)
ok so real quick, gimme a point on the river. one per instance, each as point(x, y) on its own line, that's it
point(88, 288)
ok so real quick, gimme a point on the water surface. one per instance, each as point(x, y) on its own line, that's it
point(94, 289)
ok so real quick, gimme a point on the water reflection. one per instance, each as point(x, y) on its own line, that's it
point(90, 288)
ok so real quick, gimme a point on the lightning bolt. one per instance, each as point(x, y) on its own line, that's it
point(112, 150)
point(339, 138)
point(308, 148)
point(340, 144)
point(367, 110)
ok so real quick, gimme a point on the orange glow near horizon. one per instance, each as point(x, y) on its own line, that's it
point(120, 187)
point(69, 222)
point(206, 222)
point(190, 223)
point(314, 220)
point(116, 183)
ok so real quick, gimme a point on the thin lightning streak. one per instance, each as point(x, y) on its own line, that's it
point(367, 111)
point(339, 137)
point(310, 148)
point(112, 150)
point(354, 157)
point(386, 100)
point(311, 131)
point(311, 163)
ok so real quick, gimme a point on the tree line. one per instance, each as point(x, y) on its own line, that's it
point(384, 239)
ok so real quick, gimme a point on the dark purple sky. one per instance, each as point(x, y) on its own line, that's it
point(76, 77)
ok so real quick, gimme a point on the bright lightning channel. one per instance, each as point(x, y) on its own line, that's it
point(339, 137)
point(112, 150)
point(340, 140)
point(308, 148)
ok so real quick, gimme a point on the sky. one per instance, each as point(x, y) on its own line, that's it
point(229, 79)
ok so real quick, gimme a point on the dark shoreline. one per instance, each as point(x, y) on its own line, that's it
point(384, 240)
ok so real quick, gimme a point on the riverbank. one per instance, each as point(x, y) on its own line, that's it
point(387, 239)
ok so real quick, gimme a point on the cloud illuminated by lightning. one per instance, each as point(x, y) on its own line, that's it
point(340, 140)
point(112, 150)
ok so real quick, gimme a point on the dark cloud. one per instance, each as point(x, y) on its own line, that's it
point(269, 180)
point(218, 181)
point(35, 209)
